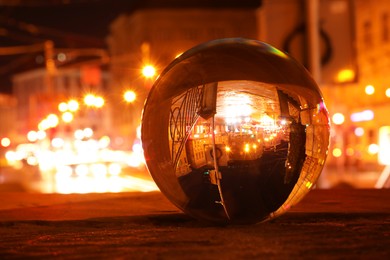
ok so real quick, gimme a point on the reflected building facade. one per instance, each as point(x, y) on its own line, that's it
point(261, 143)
point(242, 131)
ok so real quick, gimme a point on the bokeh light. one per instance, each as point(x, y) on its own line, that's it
point(129, 96)
point(73, 105)
point(5, 142)
point(148, 71)
point(67, 117)
point(338, 118)
point(387, 92)
point(345, 75)
point(359, 131)
point(89, 99)
point(369, 89)
point(337, 152)
point(373, 149)
point(63, 106)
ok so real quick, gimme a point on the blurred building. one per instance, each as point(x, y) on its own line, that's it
point(354, 58)
point(7, 114)
point(286, 24)
point(40, 93)
point(360, 107)
point(155, 36)
point(7, 126)
point(354, 61)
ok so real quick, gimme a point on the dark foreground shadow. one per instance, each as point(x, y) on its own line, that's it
point(183, 220)
point(167, 236)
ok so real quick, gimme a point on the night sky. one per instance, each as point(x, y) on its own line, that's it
point(71, 24)
point(78, 24)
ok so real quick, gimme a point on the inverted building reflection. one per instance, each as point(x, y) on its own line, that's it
point(242, 158)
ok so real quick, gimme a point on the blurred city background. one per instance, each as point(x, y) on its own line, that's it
point(74, 75)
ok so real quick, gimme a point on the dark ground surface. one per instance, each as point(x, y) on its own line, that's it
point(327, 224)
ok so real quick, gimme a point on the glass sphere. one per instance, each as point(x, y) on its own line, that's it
point(235, 131)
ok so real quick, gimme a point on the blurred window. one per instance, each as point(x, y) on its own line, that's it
point(367, 34)
point(371, 135)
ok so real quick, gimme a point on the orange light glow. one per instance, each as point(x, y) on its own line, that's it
point(67, 117)
point(345, 75)
point(350, 151)
point(148, 71)
point(73, 105)
point(359, 131)
point(246, 148)
point(32, 136)
point(388, 92)
point(337, 152)
point(83, 165)
point(129, 96)
point(370, 90)
point(5, 142)
point(373, 149)
point(94, 101)
point(89, 99)
point(62, 107)
point(99, 102)
point(338, 118)
point(384, 145)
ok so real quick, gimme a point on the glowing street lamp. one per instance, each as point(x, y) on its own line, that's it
point(129, 96)
point(89, 100)
point(148, 71)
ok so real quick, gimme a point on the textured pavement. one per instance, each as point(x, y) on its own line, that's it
point(327, 224)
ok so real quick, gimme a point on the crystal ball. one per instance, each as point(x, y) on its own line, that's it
point(235, 131)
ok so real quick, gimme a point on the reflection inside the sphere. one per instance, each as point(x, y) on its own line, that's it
point(239, 147)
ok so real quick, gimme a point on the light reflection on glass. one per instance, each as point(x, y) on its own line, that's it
point(242, 132)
